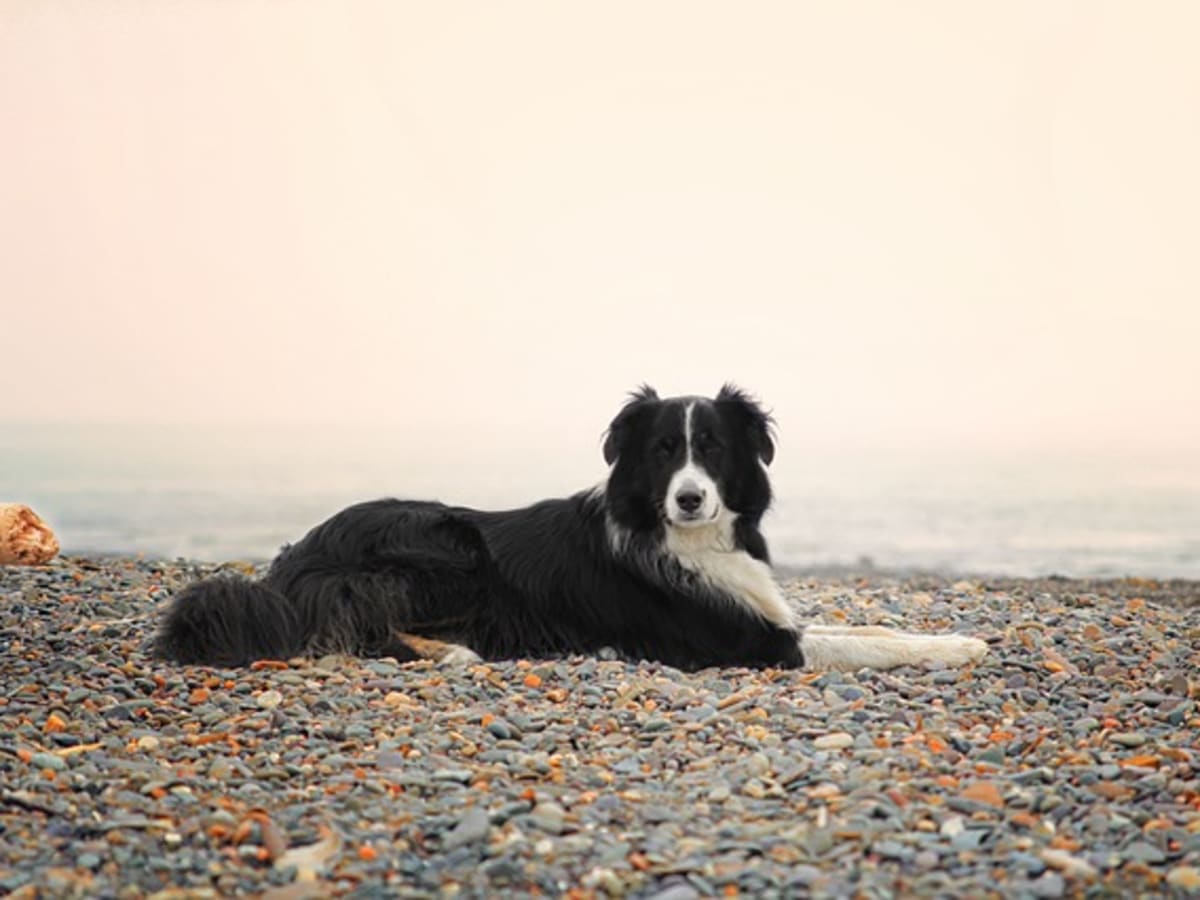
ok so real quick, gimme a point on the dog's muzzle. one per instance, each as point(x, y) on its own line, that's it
point(691, 503)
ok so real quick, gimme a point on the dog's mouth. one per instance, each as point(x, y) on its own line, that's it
point(683, 519)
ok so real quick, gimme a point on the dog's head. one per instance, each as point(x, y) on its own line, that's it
point(683, 462)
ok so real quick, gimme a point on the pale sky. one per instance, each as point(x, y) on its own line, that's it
point(910, 224)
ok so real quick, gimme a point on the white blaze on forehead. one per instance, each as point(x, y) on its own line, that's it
point(693, 477)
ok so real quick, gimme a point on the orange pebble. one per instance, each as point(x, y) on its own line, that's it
point(367, 853)
point(532, 680)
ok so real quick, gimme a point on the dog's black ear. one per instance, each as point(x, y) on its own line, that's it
point(757, 421)
point(639, 400)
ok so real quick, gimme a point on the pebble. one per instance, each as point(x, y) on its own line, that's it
point(124, 776)
point(48, 761)
point(1128, 739)
point(1051, 884)
point(838, 740)
point(677, 892)
point(1140, 851)
point(549, 817)
point(472, 828)
point(1184, 878)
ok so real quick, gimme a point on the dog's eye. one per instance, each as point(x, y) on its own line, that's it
point(665, 447)
point(707, 445)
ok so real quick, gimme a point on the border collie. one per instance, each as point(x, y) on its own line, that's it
point(664, 561)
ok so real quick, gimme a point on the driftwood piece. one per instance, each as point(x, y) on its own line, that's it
point(25, 540)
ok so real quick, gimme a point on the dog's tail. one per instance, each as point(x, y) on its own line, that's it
point(230, 621)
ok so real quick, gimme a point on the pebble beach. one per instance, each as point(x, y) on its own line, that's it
point(1066, 764)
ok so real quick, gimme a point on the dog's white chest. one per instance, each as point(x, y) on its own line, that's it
point(709, 552)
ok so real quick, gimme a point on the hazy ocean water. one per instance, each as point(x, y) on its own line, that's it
point(240, 493)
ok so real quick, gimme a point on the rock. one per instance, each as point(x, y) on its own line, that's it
point(1140, 851)
point(1185, 878)
point(836, 740)
point(48, 761)
point(683, 891)
point(1050, 885)
point(269, 699)
point(984, 792)
point(548, 817)
point(1128, 739)
point(462, 776)
point(926, 859)
point(952, 827)
point(500, 729)
point(1065, 862)
point(25, 540)
point(892, 850)
point(471, 829)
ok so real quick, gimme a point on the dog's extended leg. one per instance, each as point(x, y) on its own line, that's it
point(438, 651)
point(847, 648)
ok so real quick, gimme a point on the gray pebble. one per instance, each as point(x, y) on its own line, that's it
point(472, 828)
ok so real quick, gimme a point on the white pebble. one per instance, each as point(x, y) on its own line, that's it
point(837, 740)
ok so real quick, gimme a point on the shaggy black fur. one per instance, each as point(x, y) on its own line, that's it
point(562, 576)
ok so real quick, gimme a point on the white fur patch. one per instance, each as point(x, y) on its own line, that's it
point(709, 551)
point(847, 648)
point(693, 477)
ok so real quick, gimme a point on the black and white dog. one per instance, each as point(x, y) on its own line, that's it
point(664, 561)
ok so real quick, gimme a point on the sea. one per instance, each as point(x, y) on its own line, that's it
point(241, 492)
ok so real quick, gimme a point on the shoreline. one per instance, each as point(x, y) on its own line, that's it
point(1065, 762)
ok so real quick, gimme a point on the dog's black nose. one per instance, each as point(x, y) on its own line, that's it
point(689, 499)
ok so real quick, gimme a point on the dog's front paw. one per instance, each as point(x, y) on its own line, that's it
point(460, 656)
point(958, 650)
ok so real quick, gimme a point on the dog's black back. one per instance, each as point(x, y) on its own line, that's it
point(627, 566)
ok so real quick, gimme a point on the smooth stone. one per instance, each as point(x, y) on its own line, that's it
point(549, 817)
point(1128, 739)
point(1140, 851)
point(683, 891)
point(1184, 878)
point(462, 776)
point(926, 859)
point(837, 740)
point(970, 839)
point(48, 761)
point(472, 828)
point(892, 850)
point(993, 755)
point(389, 759)
point(499, 728)
point(719, 793)
point(1049, 885)
point(952, 827)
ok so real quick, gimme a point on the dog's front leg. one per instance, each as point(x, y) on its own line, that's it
point(846, 648)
